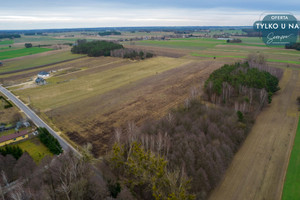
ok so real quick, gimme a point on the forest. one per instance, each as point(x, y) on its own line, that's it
point(192, 146)
point(232, 81)
point(95, 48)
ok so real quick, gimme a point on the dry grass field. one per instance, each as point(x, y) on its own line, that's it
point(259, 167)
point(89, 97)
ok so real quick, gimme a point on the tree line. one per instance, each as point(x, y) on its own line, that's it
point(10, 36)
point(15, 151)
point(132, 54)
point(49, 141)
point(105, 33)
point(293, 46)
point(95, 48)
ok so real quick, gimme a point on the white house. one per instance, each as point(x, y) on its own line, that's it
point(43, 74)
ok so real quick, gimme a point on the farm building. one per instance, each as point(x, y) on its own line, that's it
point(43, 74)
point(18, 136)
point(40, 81)
point(1, 63)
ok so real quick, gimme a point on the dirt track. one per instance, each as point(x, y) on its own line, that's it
point(258, 169)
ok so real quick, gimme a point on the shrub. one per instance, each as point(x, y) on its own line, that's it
point(28, 45)
point(240, 116)
point(234, 41)
point(114, 188)
point(8, 105)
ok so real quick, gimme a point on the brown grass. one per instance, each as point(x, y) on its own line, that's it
point(93, 119)
point(258, 169)
point(7, 115)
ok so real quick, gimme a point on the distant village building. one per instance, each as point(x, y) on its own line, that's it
point(40, 81)
point(2, 127)
point(1, 64)
point(8, 139)
point(43, 74)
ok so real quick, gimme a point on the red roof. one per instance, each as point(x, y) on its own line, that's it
point(13, 136)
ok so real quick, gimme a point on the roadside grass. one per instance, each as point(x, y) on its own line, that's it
point(22, 52)
point(26, 63)
point(6, 42)
point(292, 184)
point(34, 148)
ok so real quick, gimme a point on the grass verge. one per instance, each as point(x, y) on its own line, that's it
point(292, 184)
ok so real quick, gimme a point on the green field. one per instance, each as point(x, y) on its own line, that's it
point(35, 149)
point(22, 52)
point(291, 188)
point(6, 42)
point(218, 56)
point(4, 48)
point(43, 40)
point(201, 43)
point(188, 43)
point(241, 56)
point(26, 63)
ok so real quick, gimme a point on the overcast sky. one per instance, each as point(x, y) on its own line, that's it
point(41, 14)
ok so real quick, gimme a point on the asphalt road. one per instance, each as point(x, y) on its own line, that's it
point(36, 120)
